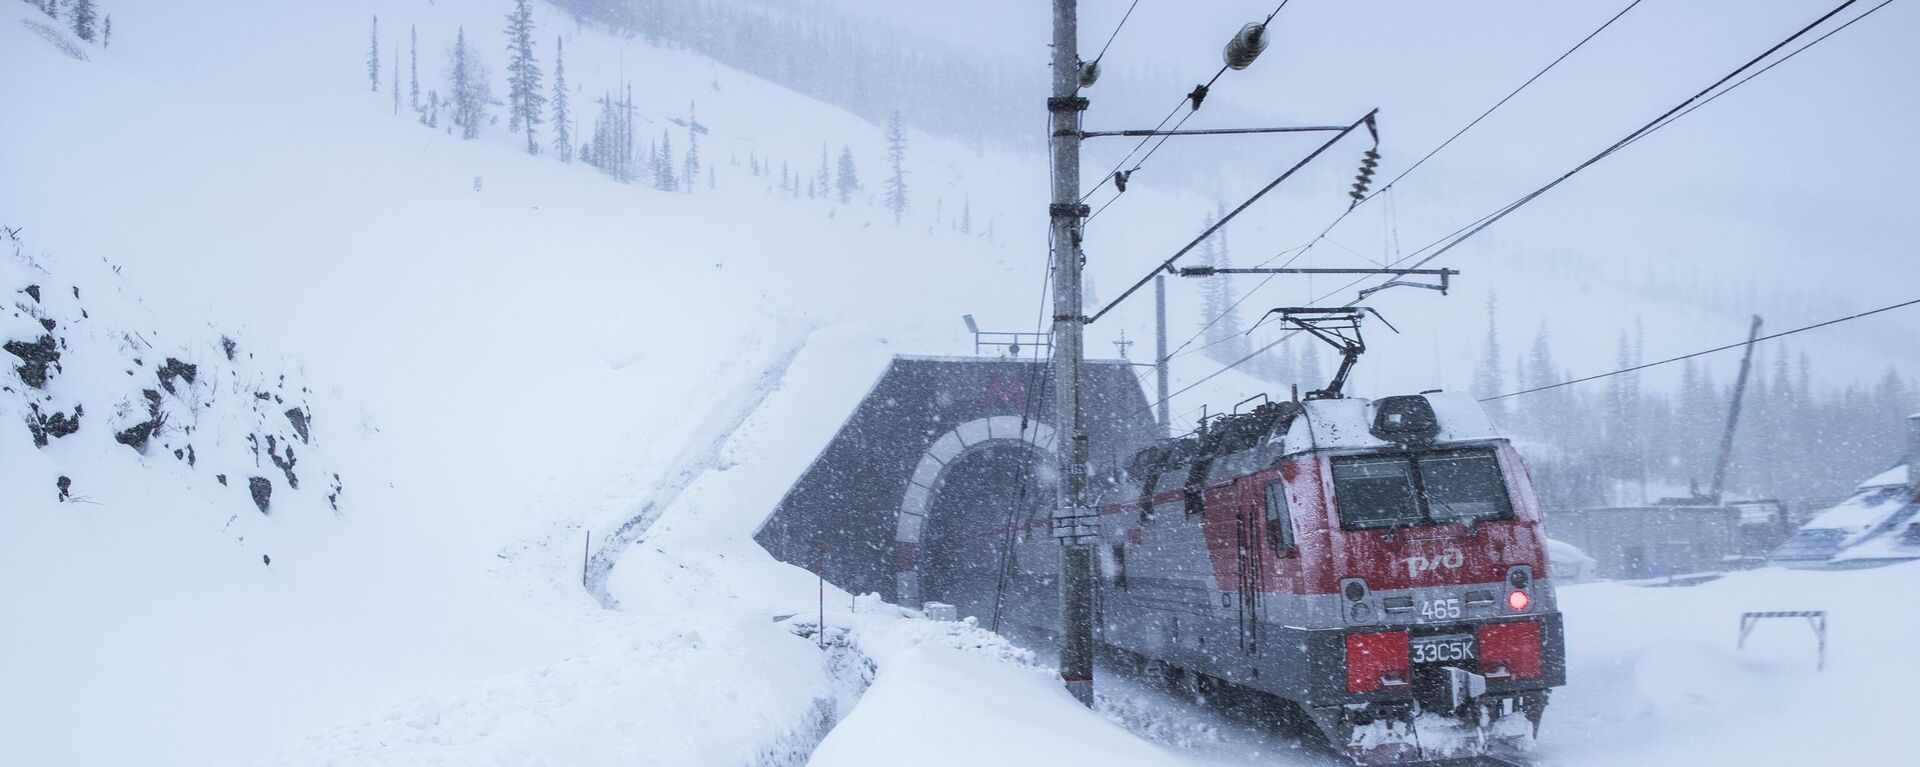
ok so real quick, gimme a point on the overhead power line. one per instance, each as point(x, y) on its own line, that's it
point(1703, 352)
point(1116, 31)
point(1298, 252)
point(1195, 98)
point(1667, 118)
point(1168, 264)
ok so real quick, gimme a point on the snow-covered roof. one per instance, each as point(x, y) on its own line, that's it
point(1348, 423)
point(1862, 510)
point(1894, 476)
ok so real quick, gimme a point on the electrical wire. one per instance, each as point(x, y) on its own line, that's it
point(1299, 252)
point(1116, 31)
point(1108, 176)
point(1043, 375)
point(1703, 352)
point(1669, 117)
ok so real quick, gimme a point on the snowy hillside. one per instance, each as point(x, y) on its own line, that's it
point(540, 414)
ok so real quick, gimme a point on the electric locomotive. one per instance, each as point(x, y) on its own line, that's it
point(1378, 563)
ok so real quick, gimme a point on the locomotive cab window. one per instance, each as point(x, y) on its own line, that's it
point(1437, 487)
point(1279, 518)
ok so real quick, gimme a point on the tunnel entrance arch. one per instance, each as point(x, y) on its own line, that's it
point(861, 509)
point(998, 442)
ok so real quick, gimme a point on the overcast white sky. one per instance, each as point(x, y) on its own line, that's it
point(1821, 144)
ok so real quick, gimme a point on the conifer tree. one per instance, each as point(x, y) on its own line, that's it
point(693, 148)
point(468, 77)
point(849, 181)
point(663, 175)
point(413, 67)
point(1488, 378)
point(824, 179)
point(373, 52)
point(523, 75)
point(562, 131)
point(896, 166)
point(84, 16)
point(966, 215)
point(106, 31)
point(396, 80)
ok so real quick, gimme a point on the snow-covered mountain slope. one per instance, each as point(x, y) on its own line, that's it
point(539, 352)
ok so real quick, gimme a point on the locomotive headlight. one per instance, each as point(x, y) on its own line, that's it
point(1518, 600)
point(1355, 590)
point(1520, 577)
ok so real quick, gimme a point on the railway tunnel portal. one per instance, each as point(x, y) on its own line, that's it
point(945, 463)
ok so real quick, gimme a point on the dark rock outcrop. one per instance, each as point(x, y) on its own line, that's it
point(35, 358)
point(298, 417)
point(262, 489)
point(176, 369)
point(46, 428)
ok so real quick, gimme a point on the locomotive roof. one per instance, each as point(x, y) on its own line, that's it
point(1348, 423)
point(1295, 427)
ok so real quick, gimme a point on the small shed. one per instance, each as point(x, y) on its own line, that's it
point(1650, 541)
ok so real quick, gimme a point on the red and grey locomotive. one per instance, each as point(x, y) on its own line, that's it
point(1379, 563)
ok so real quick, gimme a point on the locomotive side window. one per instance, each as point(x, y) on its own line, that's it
point(1463, 486)
point(1373, 491)
point(1279, 518)
point(1438, 487)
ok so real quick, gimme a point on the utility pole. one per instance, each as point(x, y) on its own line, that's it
point(1733, 415)
point(1074, 525)
point(1160, 352)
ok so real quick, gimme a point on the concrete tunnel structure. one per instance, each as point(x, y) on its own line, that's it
point(918, 493)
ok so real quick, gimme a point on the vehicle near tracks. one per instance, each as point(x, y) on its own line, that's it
point(1378, 563)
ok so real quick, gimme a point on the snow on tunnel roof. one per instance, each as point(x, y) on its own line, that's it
point(1348, 423)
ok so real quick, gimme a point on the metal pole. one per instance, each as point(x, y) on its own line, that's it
point(1733, 414)
point(1160, 351)
point(1072, 520)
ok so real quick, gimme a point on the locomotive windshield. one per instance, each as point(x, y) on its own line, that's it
point(1413, 489)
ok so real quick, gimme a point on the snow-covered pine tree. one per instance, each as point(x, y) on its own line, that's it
point(824, 179)
point(106, 31)
point(413, 66)
point(966, 215)
point(849, 181)
point(1219, 316)
point(373, 55)
point(693, 148)
point(467, 75)
point(562, 130)
point(1488, 378)
point(628, 170)
point(524, 98)
point(896, 167)
point(663, 175)
point(84, 16)
point(711, 181)
point(396, 80)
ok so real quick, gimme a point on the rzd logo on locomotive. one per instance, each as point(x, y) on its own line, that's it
point(1450, 559)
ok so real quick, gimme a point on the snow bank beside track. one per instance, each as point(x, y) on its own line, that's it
point(1654, 675)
